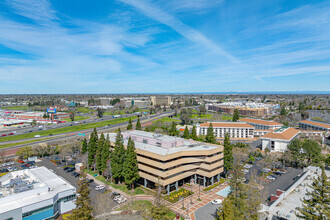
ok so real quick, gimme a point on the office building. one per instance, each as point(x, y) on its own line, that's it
point(278, 140)
point(34, 194)
point(262, 124)
point(173, 161)
point(161, 100)
point(234, 129)
point(136, 104)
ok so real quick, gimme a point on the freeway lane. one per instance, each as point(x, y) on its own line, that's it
point(10, 151)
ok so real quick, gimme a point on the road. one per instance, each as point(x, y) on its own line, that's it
point(63, 136)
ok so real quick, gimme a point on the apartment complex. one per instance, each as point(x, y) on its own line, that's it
point(173, 161)
point(262, 124)
point(278, 140)
point(314, 125)
point(161, 100)
point(234, 129)
point(35, 193)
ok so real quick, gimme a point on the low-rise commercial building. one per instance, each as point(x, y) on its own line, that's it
point(136, 103)
point(172, 161)
point(314, 125)
point(262, 124)
point(278, 140)
point(35, 193)
point(233, 129)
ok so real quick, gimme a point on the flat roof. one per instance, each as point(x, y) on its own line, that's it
point(161, 137)
point(259, 121)
point(316, 123)
point(187, 146)
point(284, 133)
point(45, 185)
point(227, 125)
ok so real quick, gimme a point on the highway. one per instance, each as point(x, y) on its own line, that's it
point(86, 132)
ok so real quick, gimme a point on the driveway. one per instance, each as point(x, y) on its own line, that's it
point(206, 212)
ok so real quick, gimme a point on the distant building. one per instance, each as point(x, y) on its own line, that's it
point(262, 124)
point(234, 129)
point(161, 100)
point(105, 101)
point(314, 125)
point(35, 193)
point(136, 103)
point(278, 140)
point(250, 109)
point(173, 161)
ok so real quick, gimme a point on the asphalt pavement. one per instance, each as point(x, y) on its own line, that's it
point(208, 211)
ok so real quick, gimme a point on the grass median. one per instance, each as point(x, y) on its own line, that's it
point(20, 143)
point(66, 129)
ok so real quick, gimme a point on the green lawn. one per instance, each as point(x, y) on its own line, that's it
point(167, 119)
point(76, 118)
point(66, 129)
point(19, 143)
point(227, 117)
point(84, 110)
point(208, 116)
point(23, 107)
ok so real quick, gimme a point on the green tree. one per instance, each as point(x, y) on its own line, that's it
point(138, 125)
point(117, 157)
point(84, 207)
point(236, 115)
point(100, 145)
point(25, 152)
point(185, 117)
point(186, 134)
point(92, 148)
point(100, 112)
point(131, 170)
point(210, 137)
point(194, 133)
point(316, 203)
point(226, 210)
point(105, 154)
point(173, 131)
point(84, 145)
point(283, 111)
point(228, 158)
point(129, 126)
point(312, 151)
point(72, 116)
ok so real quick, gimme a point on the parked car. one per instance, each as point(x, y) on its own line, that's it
point(216, 202)
point(99, 187)
point(90, 180)
point(270, 177)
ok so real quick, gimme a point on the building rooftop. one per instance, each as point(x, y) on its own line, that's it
point(316, 123)
point(259, 121)
point(24, 187)
point(283, 133)
point(188, 145)
point(227, 125)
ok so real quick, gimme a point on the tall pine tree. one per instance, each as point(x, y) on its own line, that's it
point(84, 146)
point(210, 137)
point(129, 126)
point(228, 154)
point(138, 124)
point(84, 207)
point(236, 115)
point(92, 148)
point(100, 147)
point(105, 154)
point(173, 131)
point(118, 157)
point(194, 133)
point(186, 134)
point(316, 204)
point(131, 170)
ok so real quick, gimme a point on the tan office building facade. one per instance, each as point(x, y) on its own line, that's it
point(172, 161)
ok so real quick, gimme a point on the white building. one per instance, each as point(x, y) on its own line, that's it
point(234, 129)
point(35, 194)
point(262, 124)
point(278, 140)
point(314, 126)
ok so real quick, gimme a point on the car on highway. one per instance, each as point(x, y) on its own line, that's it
point(216, 202)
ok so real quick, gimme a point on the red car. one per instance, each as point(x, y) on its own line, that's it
point(20, 161)
point(10, 133)
point(4, 135)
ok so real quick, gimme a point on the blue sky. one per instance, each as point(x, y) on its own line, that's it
point(144, 46)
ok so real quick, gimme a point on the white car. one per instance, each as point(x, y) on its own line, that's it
point(266, 170)
point(270, 178)
point(99, 187)
point(216, 202)
point(247, 166)
point(246, 170)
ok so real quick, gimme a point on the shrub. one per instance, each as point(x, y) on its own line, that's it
point(214, 185)
point(176, 195)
